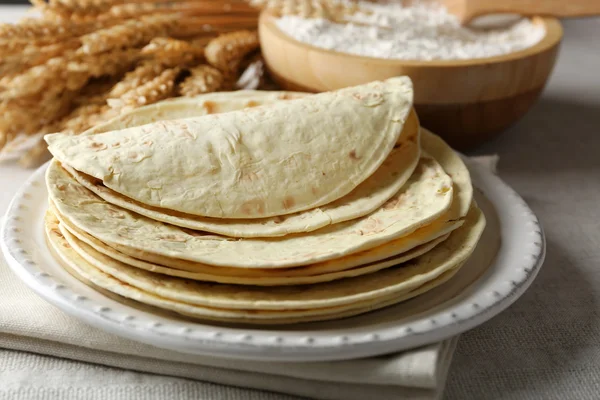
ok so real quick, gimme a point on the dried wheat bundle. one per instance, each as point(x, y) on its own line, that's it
point(85, 61)
point(202, 79)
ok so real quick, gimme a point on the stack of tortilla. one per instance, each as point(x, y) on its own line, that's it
point(263, 207)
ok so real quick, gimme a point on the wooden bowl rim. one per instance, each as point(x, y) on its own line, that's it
point(553, 36)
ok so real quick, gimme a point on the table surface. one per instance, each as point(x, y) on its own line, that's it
point(547, 345)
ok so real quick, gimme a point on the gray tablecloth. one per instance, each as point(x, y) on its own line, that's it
point(546, 346)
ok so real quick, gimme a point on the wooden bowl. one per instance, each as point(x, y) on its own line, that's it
point(465, 101)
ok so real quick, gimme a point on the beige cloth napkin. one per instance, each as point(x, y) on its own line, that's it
point(28, 323)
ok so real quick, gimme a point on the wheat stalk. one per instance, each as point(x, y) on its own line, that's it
point(32, 55)
point(202, 79)
point(200, 7)
point(173, 52)
point(159, 88)
point(66, 73)
point(69, 8)
point(130, 33)
point(227, 51)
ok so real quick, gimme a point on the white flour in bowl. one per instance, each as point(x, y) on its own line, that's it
point(417, 32)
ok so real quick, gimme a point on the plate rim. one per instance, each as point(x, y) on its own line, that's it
point(227, 342)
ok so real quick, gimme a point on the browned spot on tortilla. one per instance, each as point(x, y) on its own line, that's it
point(184, 131)
point(394, 202)
point(61, 187)
point(253, 207)
point(277, 219)
point(398, 145)
point(353, 155)
point(288, 202)
point(116, 144)
point(372, 225)
point(314, 190)
point(252, 103)
point(210, 106)
point(97, 146)
point(116, 214)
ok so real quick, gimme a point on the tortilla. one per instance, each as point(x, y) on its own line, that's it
point(427, 195)
point(186, 107)
point(454, 166)
point(182, 311)
point(251, 163)
point(339, 267)
point(300, 301)
point(366, 198)
point(86, 248)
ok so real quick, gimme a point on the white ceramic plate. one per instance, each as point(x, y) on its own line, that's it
point(493, 278)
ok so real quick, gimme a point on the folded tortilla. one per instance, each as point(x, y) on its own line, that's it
point(258, 162)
